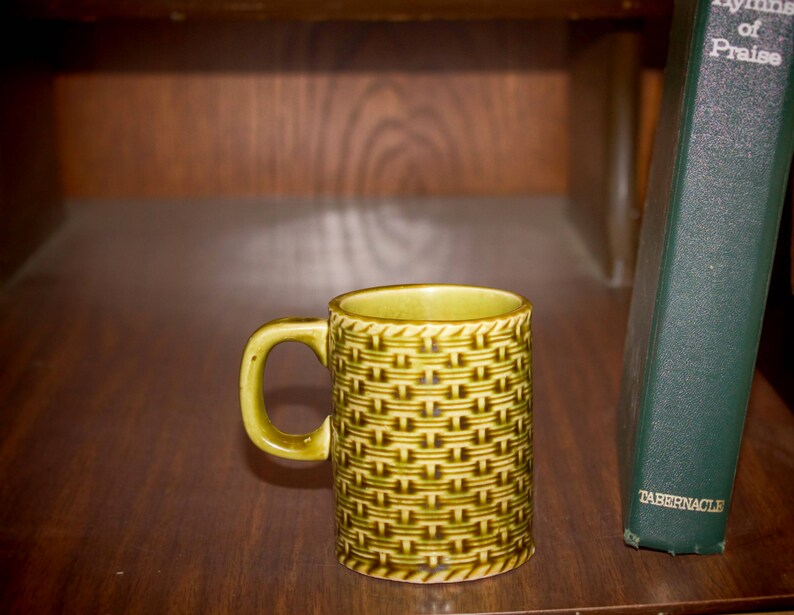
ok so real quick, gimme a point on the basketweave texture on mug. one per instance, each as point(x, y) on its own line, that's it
point(432, 446)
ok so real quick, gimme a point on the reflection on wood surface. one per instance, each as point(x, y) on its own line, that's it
point(301, 253)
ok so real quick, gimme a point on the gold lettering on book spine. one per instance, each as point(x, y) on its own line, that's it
point(432, 447)
point(666, 500)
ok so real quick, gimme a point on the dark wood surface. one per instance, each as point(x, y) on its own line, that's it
point(401, 10)
point(128, 484)
point(603, 117)
point(30, 198)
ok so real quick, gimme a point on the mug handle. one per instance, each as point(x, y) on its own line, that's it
point(314, 333)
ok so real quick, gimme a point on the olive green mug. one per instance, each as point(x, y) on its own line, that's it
point(431, 430)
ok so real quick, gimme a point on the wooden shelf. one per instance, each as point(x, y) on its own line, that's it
point(400, 10)
point(129, 484)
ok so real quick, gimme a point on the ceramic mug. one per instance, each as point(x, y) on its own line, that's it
point(431, 431)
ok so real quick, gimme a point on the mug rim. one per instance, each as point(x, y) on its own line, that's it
point(524, 305)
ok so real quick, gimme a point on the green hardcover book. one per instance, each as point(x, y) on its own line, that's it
point(718, 178)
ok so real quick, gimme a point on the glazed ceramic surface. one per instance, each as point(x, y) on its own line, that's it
point(431, 431)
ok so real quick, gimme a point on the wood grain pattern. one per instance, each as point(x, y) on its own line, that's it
point(162, 110)
point(350, 9)
point(129, 483)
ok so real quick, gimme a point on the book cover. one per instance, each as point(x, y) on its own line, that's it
point(716, 188)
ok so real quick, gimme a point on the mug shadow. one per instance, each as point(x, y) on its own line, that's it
point(314, 405)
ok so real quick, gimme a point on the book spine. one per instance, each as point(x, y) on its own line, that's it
point(703, 270)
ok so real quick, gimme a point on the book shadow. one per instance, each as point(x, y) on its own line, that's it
point(776, 348)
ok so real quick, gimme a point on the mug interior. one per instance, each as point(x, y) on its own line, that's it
point(429, 302)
